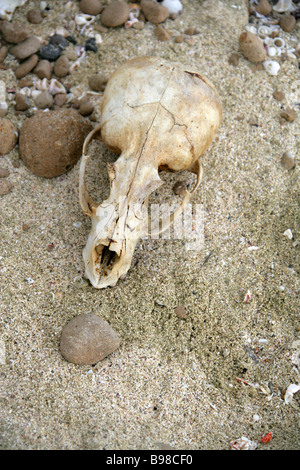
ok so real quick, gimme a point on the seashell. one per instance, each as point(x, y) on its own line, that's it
point(56, 87)
point(279, 42)
point(7, 7)
point(42, 85)
point(3, 103)
point(271, 66)
point(283, 6)
point(272, 51)
point(269, 41)
point(264, 31)
point(26, 91)
point(290, 53)
point(252, 29)
point(174, 6)
point(35, 93)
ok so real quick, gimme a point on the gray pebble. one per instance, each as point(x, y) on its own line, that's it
point(3, 172)
point(87, 339)
point(5, 187)
point(26, 48)
point(288, 161)
point(98, 81)
point(61, 66)
point(43, 69)
point(44, 100)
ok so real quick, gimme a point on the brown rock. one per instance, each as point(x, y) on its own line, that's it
point(8, 136)
point(44, 100)
point(180, 187)
point(180, 312)
point(264, 7)
point(3, 53)
point(287, 161)
point(98, 81)
point(161, 33)
point(13, 32)
point(86, 108)
point(22, 102)
point(289, 114)
point(87, 339)
point(60, 99)
point(234, 59)
point(5, 187)
point(287, 23)
point(191, 31)
point(3, 172)
point(34, 16)
point(115, 14)
point(26, 66)
point(51, 142)
point(26, 48)
point(61, 66)
point(43, 69)
point(154, 12)
point(91, 7)
point(138, 25)
point(179, 39)
point(252, 47)
point(278, 95)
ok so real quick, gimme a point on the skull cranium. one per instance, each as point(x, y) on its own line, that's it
point(156, 116)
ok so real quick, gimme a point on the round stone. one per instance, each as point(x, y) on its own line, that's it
point(61, 66)
point(51, 142)
point(154, 12)
point(87, 339)
point(115, 14)
point(50, 52)
point(26, 48)
point(90, 7)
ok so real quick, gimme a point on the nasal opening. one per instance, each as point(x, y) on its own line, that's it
point(105, 259)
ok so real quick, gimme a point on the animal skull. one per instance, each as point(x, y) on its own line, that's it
point(156, 116)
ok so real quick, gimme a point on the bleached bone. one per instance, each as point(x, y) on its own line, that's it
point(157, 116)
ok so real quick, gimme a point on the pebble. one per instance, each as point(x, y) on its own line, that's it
point(115, 14)
point(179, 39)
point(50, 52)
point(44, 100)
point(8, 136)
point(5, 187)
point(26, 66)
point(13, 32)
point(91, 45)
point(61, 66)
point(3, 53)
point(86, 108)
point(97, 82)
point(43, 69)
point(26, 48)
point(287, 23)
point(138, 25)
point(154, 12)
point(180, 312)
point(252, 47)
point(180, 187)
point(289, 114)
point(234, 59)
point(3, 173)
point(191, 31)
point(278, 95)
point(22, 102)
point(34, 16)
point(59, 41)
point(60, 99)
point(91, 7)
point(287, 161)
point(161, 33)
point(57, 143)
point(264, 7)
point(87, 339)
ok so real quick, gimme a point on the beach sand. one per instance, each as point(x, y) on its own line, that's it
point(194, 383)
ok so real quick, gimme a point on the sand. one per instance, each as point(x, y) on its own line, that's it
point(193, 383)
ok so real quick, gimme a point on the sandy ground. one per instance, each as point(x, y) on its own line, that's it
point(173, 381)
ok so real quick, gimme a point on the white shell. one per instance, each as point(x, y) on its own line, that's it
point(272, 67)
point(292, 388)
point(251, 29)
point(264, 31)
point(7, 7)
point(284, 5)
point(279, 42)
point(3, 103)
point(272, 51)
point(174, 6)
